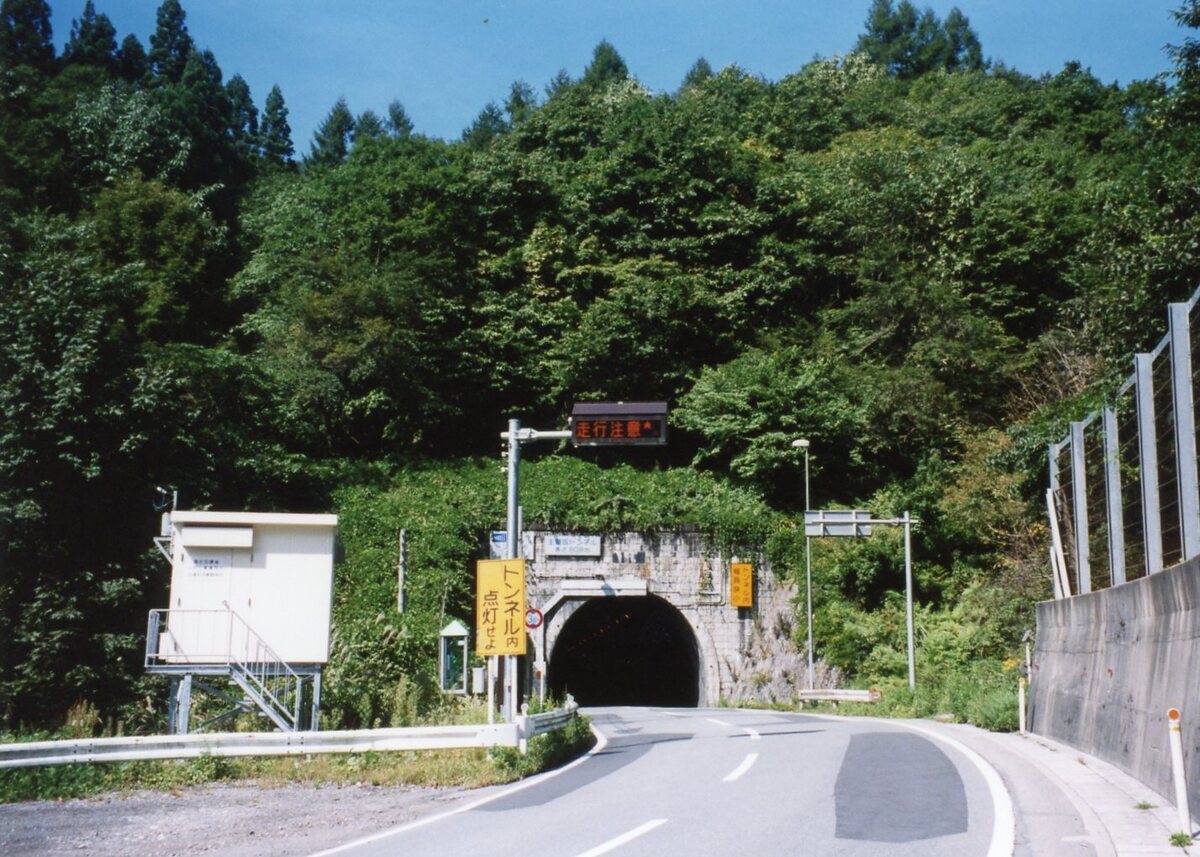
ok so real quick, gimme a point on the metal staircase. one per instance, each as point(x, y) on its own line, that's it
point(220, 642)
point(265, 678)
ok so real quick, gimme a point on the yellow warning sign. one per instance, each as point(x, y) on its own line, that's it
point(741, 584)
point(500, 607)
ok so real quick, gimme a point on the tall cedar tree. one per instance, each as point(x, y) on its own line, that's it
point(398, 122)
point(521, 103)
point(132, 63)
point(275, 135)
point(93, 40)
point(606, 66)
point(909, 44)
point(488, 125)
point(170, 43)
point(697, 74)
point(243, 118)
point(368, 126)
point(25, 35)
point(331, 142)
point(1186, 56)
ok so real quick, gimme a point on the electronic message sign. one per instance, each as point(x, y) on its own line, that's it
point(619, 424)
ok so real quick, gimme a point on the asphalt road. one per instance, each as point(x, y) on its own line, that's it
point(726, 782)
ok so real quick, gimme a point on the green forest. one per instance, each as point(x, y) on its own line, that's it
point(919, 258)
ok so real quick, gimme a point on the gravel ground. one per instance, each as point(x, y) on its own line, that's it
point(230, 820)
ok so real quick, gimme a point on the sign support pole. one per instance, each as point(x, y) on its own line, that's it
point(908, 605)
point(514, 464)
point(491, 689)
point(515, 435)
point(808, 580)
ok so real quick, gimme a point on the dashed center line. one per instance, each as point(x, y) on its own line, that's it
point(628, 836)
point(746, 764)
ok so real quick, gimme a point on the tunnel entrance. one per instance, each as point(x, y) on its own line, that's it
point(626, 651)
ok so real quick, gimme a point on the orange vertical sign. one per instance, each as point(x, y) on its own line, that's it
point(741, 584)
point(500, 607)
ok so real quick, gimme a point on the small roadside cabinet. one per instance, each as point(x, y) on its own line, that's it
point(453, 658)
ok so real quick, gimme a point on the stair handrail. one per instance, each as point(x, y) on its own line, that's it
point(261, 676)
point(292, 681)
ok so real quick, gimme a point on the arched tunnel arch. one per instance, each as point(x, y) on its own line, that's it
point(626, 651)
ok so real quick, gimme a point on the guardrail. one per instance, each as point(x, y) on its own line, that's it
point(529, 725)
point(840, 694)
point(152, 747)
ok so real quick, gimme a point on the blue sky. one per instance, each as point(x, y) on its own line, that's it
point(446, 59)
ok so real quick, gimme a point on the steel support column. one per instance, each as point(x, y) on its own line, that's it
point(1058, 559)
point(1083, 565)
point(1148, 458)
point(179, 708)
point(1185, 429)
point(1112, 493)
point(315, 723)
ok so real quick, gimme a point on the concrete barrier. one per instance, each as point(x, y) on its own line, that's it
point(1108, 665)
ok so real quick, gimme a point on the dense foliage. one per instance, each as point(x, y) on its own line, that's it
point(921, 261)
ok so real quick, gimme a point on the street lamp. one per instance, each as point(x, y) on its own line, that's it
point(802, 443)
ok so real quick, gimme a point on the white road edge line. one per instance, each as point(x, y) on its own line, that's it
point(746, 764)
point(1004, 822)
point(623, 838)
point(601, 743)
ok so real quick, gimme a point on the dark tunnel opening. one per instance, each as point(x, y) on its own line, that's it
point(626, 651)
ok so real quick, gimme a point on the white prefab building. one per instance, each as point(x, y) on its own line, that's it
point(250, 599)
point(275, 571)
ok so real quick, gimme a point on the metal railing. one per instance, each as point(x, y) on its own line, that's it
point(1124, 496)
point(840, 694)
point(145, 748)
point(183, 640)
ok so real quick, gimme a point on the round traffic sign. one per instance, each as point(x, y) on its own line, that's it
point(533, 618)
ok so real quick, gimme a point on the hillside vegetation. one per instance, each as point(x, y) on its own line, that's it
point(923, 262)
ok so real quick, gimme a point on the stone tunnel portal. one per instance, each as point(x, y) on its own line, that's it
point(626, 651)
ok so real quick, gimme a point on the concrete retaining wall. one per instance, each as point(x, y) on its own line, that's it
point(1109, 664)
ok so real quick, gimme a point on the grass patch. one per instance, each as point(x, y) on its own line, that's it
point(1181, 840)
point(61, 782)
point(435, 768)
point(983, 694)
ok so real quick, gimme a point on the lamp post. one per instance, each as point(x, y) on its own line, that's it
point(802, 443)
